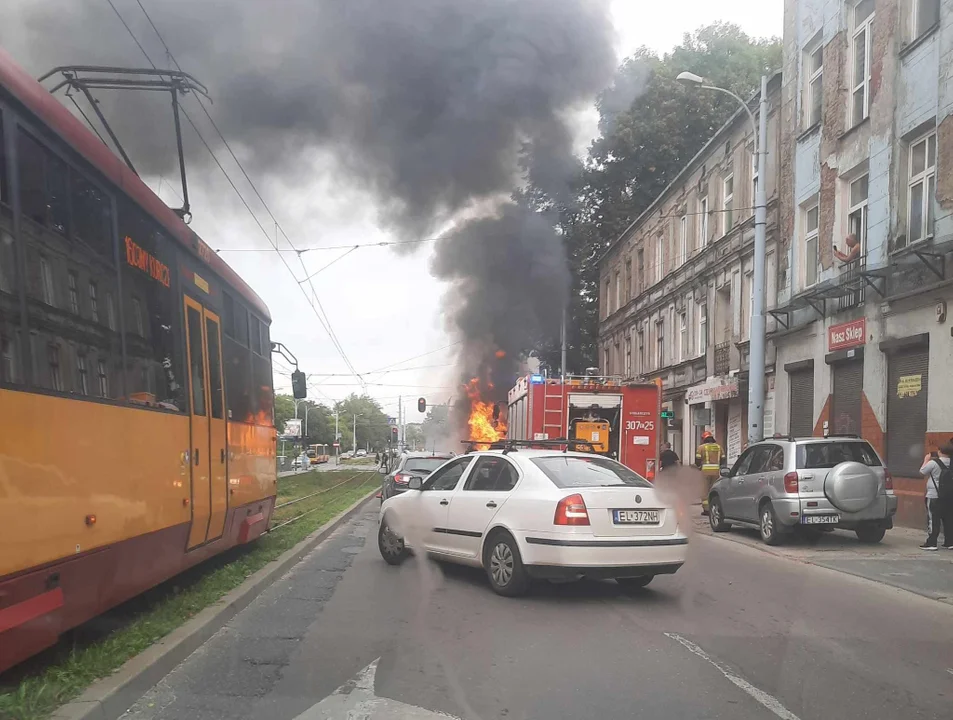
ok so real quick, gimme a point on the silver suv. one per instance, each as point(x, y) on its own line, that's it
point(780, 485)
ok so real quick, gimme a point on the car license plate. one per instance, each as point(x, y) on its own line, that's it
point(635, 517)
point(820, 519)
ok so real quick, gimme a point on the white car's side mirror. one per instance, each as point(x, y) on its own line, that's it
point(415, 483)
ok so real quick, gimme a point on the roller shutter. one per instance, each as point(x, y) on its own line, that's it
point(802, 403)
point(907, 375)
point(848, 382)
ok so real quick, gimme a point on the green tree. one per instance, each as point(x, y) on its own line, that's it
point(284, 410)
point(371, 422)
point(651, 127)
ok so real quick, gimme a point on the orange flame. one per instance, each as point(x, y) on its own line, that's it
point(484, 426)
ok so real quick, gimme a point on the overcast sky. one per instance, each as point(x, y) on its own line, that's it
point(384, 307)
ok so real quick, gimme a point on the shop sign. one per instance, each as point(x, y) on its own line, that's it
point(711, 390)
point(847, 335)
point(909, 386)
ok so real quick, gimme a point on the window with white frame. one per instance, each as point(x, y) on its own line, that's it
point(857, 211)
point(924, 15)
point(813, 72)
point(702, 328)
point(93, 303)
point(53, 358)
point(103, 379)
point(921, 188)
point(683, 239)
point(729, 196)
point(689, 318)
point(46, 281)
point(73, 294)
point(82, 374)
point(754, 181)
point(811, 224)
point(110, 312)
point(640, 349)
point(682, 349)
point(747, 308)
point(659, 257)
point(660, 343)
point(703, 223)
point(863, 16)
point(137, 317)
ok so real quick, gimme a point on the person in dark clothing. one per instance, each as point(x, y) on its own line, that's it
point(668, 457)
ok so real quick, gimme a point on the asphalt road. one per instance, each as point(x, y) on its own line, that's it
point(737, 633)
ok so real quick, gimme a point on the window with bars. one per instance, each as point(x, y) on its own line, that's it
point(862, 20)
point(921, 188)
point(811, 224)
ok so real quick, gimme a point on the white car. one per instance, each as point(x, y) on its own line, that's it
point(524, 513)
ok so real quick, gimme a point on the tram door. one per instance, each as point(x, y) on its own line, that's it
point(208, 449)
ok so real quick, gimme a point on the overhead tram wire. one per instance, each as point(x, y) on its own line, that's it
point(325, 320)
point(358, 246)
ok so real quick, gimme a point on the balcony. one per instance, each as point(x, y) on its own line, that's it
point(722, 358)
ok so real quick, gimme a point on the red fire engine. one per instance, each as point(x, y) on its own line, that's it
point(619, 419)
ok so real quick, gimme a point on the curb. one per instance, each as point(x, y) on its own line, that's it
point(110, 697)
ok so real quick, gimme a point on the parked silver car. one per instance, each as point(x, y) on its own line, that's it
point(780, 485)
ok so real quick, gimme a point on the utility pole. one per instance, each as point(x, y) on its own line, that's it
point(756, 355)
point(400, 417)
point(337, 439)
point(354, 436)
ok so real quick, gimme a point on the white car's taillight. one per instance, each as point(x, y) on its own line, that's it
point(401, 479)
point(571, 510)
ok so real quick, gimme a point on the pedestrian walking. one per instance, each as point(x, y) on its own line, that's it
point(938, 471)
point(668, 457)
point(708, 458)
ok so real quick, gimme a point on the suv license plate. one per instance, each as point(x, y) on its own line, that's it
point(635, 517)
point(820, 519)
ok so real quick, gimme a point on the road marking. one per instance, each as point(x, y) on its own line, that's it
point(769, 701)
point(355, 700)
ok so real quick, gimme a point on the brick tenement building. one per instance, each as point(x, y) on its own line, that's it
point(864, 343)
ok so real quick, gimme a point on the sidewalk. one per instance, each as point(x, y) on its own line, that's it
point(896, 560)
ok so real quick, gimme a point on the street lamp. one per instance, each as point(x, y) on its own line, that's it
point(756, 355)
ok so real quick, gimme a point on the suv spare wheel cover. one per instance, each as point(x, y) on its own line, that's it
point(851, 486)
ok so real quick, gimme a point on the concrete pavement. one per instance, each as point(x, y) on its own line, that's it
point(737, 633)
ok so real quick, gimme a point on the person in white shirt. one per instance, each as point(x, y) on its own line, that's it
point(939, 512)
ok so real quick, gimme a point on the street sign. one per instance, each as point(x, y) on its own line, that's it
point(667, 414)
point(293, 427)
point(337, 445)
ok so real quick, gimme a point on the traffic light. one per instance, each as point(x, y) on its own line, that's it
point(299, 385)
point(393, 434)
point(421, 405)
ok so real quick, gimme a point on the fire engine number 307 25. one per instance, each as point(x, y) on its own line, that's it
point(647, 425)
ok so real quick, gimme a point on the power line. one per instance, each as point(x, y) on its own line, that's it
point(325, 321)
point(383, 243)
point(415, 357)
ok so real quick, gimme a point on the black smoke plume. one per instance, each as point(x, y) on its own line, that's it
point(438, 108)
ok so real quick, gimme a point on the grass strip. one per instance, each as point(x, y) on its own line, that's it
point(68, 671)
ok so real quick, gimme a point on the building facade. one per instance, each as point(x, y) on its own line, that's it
point(676, 287)
point(866, 199)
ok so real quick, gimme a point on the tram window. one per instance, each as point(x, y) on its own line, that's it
point(265, 341)
point(255, 335)
point(31, 178)
point(154, 342)
point(65, 347)
point(261, 367)
point(196, 362)
point(214, 370)
point(92, 217)
point(238, 381)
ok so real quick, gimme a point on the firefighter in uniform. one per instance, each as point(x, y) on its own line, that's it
point(708, 459)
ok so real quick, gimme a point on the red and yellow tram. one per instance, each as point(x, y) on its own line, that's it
point(135, 382)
